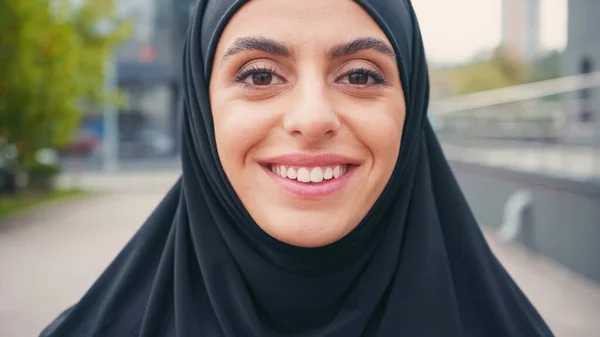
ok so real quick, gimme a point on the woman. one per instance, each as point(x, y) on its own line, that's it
point(315, 199)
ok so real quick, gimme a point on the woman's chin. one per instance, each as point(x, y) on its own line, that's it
point(306, 232)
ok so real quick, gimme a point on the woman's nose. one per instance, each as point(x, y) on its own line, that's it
point(312, 115)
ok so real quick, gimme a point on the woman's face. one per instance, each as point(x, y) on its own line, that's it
point(308, 112)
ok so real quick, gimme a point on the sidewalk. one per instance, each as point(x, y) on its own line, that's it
point(126, 182)
point(51, 257)
point(569, 303)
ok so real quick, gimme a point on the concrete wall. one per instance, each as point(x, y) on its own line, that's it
point(564, 222)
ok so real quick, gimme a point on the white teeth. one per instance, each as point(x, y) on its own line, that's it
point(303, 175)
point(310, 174)
point(282, 171)
point(291, 173)
point(336, 171)
point(316, 175)
point(328, 173)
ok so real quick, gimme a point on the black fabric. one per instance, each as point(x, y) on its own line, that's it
point(416, 266)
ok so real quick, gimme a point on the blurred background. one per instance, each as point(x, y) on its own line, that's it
point(89, 94)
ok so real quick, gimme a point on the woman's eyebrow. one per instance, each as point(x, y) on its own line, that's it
point(278, 48)
point(360, 44)
point(258, 44)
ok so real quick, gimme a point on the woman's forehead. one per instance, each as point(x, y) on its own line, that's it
point(301, 25)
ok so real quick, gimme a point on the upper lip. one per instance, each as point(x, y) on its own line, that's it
point(303, 159)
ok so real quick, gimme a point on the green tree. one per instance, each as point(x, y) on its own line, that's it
point(52, 61)
point(497, 71)
point(515, 71)
point(546, 67)
point(478, 77)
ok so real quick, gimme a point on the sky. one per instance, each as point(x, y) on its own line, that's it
point(455, 30)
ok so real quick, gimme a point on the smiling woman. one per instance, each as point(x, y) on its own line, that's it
point(308, 120)
point(315, 199)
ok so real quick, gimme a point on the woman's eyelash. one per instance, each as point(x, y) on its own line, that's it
point(242, 75)
point(375, 75)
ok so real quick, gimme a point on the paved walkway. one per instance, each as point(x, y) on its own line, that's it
point(50, 258)
point(569, 303)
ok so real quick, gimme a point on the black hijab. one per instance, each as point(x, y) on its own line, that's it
point(416, 266)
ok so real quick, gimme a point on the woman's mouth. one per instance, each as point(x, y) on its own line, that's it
point(311, 176)
point(316, 174)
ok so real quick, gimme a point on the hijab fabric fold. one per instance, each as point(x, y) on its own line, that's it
point(416, 266)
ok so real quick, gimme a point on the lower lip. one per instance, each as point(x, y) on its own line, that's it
point(312, 190)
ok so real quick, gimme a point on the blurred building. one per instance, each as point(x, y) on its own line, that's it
point(582, 56)
point(148, 68)
point(521, 28)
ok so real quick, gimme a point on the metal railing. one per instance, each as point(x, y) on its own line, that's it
point(550, 127)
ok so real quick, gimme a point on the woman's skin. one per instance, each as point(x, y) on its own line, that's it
point(314, 86)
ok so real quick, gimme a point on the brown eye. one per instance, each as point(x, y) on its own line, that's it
point(362, 77)
point(262, 78)
point(358, 79)
point(259, 77)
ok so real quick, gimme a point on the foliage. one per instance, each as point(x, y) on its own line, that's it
point(478, 77)
point(546, 67)
point(497, 71)
point(515, 71)
point(41, 176)
point(14, 205)
point(52, 59)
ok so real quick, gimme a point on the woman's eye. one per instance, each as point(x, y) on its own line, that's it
point(358, 79)
point(363, 77)
point(262, 78)
point(258, 77)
